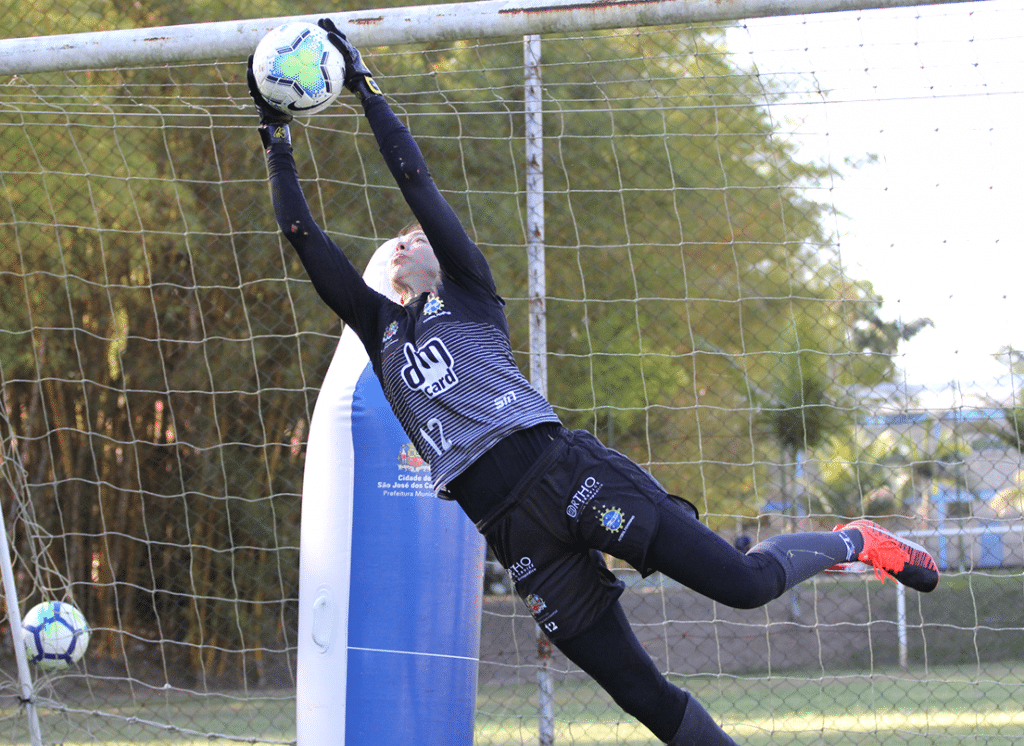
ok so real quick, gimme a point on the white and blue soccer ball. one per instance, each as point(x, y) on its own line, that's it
point(297, 69)
point(55, 634)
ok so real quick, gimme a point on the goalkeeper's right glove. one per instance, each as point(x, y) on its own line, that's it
point(358, 78)
point(273, 121)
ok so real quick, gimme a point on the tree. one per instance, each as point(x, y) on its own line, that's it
point(676, 282)
point(155, 361)
point(860, 475)
point(162, 349)
point(1011, 431)
point(934, 455)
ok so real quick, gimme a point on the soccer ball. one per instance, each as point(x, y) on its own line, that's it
point(297, 68)
point(55, 634)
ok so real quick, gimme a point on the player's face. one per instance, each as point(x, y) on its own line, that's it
point(413, 268)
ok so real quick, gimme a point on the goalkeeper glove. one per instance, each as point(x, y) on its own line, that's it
point(273, 121)
point(357, 76)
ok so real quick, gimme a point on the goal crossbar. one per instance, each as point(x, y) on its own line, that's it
point(389, 26)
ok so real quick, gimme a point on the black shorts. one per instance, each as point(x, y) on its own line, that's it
point(579, 500)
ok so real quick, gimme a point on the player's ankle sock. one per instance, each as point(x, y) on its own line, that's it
point(804, 555)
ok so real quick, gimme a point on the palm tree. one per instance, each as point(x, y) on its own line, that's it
point(799, 413)
point(1011, 432)
point(935, 456)
point(859, 475)
point(800, 410)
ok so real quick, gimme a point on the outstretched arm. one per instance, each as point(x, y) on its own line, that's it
point(458, 256)
point(336, 280)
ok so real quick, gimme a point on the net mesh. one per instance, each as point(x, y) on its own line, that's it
point(770, 248)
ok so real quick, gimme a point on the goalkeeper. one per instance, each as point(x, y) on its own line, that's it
point(549, 501)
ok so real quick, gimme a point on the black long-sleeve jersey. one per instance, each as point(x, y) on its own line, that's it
point(444, 360)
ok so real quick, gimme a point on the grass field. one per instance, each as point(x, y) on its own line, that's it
point(948, 706)
point(971, 691)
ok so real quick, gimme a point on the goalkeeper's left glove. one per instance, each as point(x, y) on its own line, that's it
point(273, 121)
point(358, 78)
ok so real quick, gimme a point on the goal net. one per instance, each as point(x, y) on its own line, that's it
point(781, 273)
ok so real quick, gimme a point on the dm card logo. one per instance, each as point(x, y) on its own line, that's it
point(429, 368)
point(410, 459)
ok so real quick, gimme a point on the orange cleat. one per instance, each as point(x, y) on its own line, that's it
point(904, 560)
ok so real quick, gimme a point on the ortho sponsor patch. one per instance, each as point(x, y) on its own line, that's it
point(586, 492)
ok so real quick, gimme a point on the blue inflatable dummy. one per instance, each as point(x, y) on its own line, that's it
point(390, 576)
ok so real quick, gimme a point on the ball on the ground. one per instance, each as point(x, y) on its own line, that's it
point(297, 69)
point(55, 634)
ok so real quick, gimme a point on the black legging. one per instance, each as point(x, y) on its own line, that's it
point(689, 552)
point(685, 550)
point(610, 653)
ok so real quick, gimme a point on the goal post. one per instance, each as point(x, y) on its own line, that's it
point(663, 206)
point(392, 26)
point(10, 589)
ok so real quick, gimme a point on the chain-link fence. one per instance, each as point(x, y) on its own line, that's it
point(715, 197)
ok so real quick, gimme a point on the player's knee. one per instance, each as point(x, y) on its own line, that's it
point(753, 598)
point(754, 582)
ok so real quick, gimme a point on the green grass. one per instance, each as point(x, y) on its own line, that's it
point(965, 686)
point(144, 720)
point(946, 706)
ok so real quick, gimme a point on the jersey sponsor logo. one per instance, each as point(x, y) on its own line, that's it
point(613, 520)
point(535, 604)
point(434, 307)
point(504, 400)
point(586, 492)
point(389, 334)
point(524, 568)
point(430, 368)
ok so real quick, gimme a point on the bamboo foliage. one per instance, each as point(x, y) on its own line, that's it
point(162, 348)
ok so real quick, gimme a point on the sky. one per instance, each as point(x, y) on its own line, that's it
point(936, 94)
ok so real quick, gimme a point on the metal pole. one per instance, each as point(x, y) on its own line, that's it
point(534, 126)
point(11, 598)
point(14, 616)
point(901, 622)
point(535, 214)
point(234, 40)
